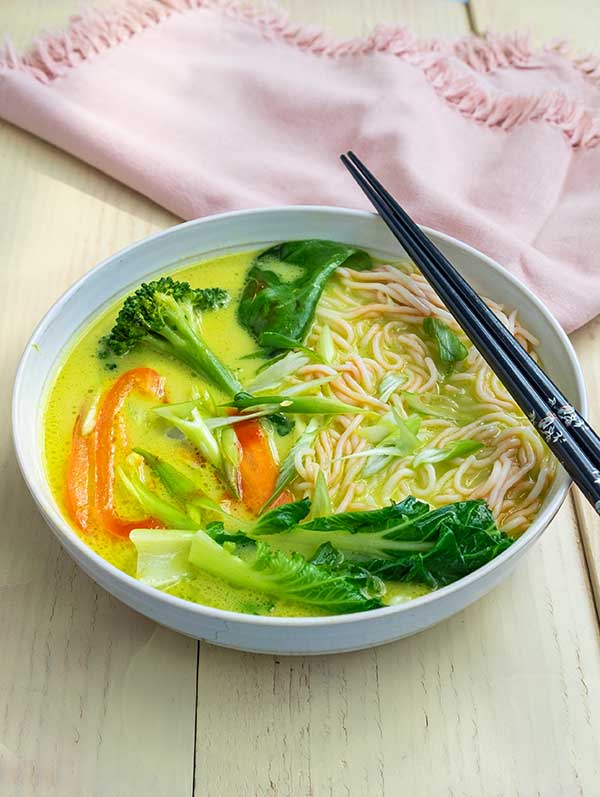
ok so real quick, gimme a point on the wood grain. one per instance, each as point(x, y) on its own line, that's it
point(357, 17)
point(503, 699)
point(95, 699)
point(578, 22)
point(587, 346)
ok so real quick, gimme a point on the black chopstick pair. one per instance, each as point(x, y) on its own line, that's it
point(575, 444)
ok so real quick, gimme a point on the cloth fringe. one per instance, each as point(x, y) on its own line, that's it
point(94, 31)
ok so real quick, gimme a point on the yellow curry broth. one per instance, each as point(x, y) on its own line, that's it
point(83, 376)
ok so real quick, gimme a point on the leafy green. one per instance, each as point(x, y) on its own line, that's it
point(335, 561)
point(218, 445)
point(282, 518)
point(176, 482)
point(450, 350)
point(325, 345)
point(277, 372)
point(153, 504)
point(394, 437)
point(389, 384)
point(397, 520)
point(287, 469)
point(270, 303)
point(461, 448)
point(281, 423)
point(162, 556)
point(304, 405)
point(434, 407)
point(405, 541)
point(281, 576)
point(277, 341)
point(167, 315)
point(321, 502)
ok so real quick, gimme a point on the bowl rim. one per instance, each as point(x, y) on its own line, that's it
point(77, 547)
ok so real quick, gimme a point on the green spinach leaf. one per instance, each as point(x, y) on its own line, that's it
point(449, 347)
point(271, 304)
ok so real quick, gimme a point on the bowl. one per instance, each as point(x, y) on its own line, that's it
point(204, 239)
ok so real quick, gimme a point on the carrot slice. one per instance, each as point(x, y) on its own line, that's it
point(258, 468)
point(78, 476)
point(148, 382)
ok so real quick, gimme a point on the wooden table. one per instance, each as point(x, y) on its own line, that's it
point(503, 699)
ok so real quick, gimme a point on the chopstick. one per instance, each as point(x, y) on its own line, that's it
point(575, 444)
point(581, 430)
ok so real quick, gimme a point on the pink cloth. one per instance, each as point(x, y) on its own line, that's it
point(208, 105)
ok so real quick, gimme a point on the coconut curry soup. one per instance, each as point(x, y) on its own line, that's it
point(298, 431)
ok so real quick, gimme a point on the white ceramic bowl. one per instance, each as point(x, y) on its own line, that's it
point(204, 239)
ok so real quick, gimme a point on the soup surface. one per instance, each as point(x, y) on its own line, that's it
point(431, 422)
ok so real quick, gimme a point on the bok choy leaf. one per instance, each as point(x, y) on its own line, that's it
point(285, 577)
point(162, 556)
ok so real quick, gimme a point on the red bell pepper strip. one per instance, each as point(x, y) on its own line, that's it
point(148, 382)
point(78, 476)
point(258, 468)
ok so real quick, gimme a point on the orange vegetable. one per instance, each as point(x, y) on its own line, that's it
point(258, 468)
point(78, 476)
point(148, 382)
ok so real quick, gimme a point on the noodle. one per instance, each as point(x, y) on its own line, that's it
point(375, 318)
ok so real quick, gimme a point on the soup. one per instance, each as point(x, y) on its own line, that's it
point(301, 431)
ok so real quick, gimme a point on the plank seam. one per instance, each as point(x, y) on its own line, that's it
point(195, 744)
point(592, 576)
point(471, 20)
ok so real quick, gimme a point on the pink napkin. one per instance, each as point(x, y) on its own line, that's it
point(206, 106)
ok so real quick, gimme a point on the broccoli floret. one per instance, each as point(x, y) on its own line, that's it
point(167, 315)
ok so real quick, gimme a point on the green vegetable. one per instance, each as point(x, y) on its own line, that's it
point(335, 561)
point(438, 407)
point(395, 437)
point(450, 350)
point(153, 504)
point(304, 405)
point(287, 469)
point(281, 518)
point(162, 556)
point(389, 384)
point(271, 303)
point(285, 577)
point(462, 448)
point(218, 445)
point(281, 423)
point(467, 538)
point(177, 483)
point(167, 315)
point(405, 541)
point(275, 374)
point(277, 341)
point(321, 502)
point(326, 346)
point(402, 440)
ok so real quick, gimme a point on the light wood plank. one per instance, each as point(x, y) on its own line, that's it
point(577, 21)
point(23, 20)
point(499, 700)
point(587, 346)
point(358, 17)
point(581, 24)
point(502, 699)
point(95, 699)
